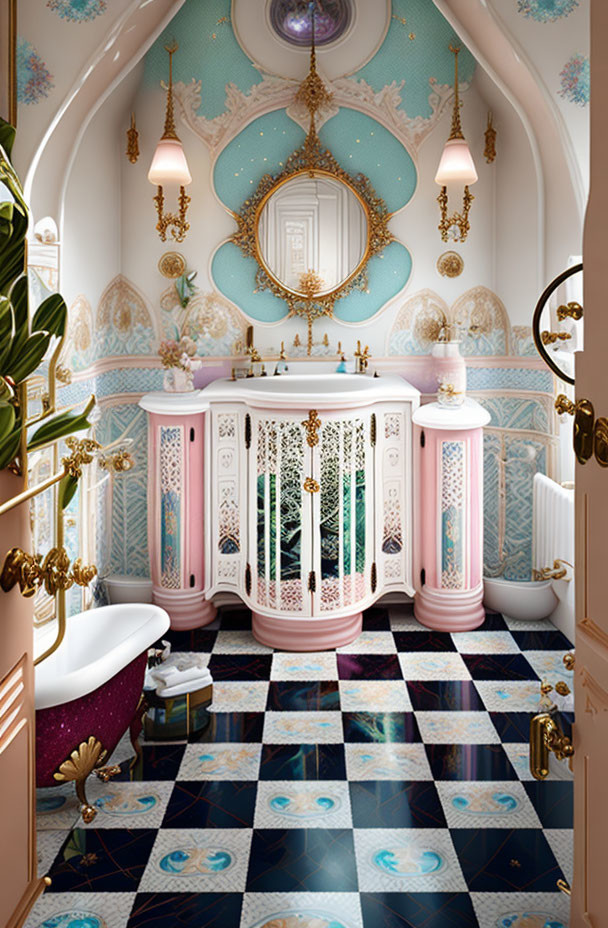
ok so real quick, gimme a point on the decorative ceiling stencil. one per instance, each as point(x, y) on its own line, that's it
point(292, 20)
point(546, 11)
point(78, 11)
point(575, 80)
point(34, 81)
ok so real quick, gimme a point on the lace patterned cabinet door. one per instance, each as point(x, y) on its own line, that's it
point(176, 439)
point(448, 445)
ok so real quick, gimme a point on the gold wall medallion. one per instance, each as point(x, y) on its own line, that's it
point(172, 265)
point(450, 264)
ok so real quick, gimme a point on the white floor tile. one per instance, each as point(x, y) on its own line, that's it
point(436, 665)
point(370, 643)
point(509, 695)
point(119, 804)
point(304, 666)
point(518, 910)
point(374, 695)
point(489, 804)
point(227, 761)
point(301, 910)
point(561, 842)
point(239, 696)
point(303, 728)
point(485, 643)
point(456, 728)
point(407, 860)
point(48, 844)
point(201, 860)
point(239, 642)
point(106, 910)
point(388, 761)
point(303, 804)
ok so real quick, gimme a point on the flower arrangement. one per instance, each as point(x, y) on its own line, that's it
point(178, 353)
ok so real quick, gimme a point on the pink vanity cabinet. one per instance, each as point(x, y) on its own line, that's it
point(176, 440)
point(448, 554)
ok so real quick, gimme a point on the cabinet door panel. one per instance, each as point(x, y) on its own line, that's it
point(394, 498)
point(279, 517)
point(343, 512)
point(229, 498)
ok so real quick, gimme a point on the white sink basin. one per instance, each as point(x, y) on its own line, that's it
point(303, 390)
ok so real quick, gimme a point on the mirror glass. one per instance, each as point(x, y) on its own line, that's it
point(312, 223)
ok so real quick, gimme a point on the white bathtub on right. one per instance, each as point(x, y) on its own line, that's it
point(553, 540)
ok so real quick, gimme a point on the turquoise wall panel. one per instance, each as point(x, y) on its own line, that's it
point(418, 59)
point(362, 145)
point(234, 276)
point(387, 274)
point(208, 51)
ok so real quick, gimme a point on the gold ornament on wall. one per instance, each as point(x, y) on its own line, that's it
point(132, 141)
point(450, 264)
point(172, 265)
point(489, 151)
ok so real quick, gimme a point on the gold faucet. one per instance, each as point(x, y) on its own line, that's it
point(557, 572)
point(362, 357)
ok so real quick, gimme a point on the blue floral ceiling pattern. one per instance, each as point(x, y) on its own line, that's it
point(78, 11)
point(34, 81)
point(575, 80)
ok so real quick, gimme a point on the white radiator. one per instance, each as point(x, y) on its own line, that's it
point(553, 539)
point(553, 529)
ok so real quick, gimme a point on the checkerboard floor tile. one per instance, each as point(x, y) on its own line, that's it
point(380, 786)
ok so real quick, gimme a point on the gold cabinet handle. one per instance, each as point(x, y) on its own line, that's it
point(546, 737)
point(563, 404)
point(549, 338)
point(569, 311)
point(311, 485)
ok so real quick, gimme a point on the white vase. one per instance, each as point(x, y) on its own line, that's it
point(177, 380)
point(450, 373)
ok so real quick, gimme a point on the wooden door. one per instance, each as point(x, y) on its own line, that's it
point(590, 886)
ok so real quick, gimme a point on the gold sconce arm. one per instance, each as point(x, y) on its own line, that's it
point(457, 221)
point(546, 737)
point(177, 223)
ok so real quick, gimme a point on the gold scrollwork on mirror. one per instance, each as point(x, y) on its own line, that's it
point(313, 227)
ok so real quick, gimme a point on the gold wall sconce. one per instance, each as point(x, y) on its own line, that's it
point(489, 151)
point(132, 141)
point(456, 167)
point(169, 167)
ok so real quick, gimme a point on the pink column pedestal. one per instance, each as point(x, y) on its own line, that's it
point(448, 552)
point(176, 506)
point(309, 634)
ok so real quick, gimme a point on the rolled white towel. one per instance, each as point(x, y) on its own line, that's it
point(181, 688)
point(170, 675)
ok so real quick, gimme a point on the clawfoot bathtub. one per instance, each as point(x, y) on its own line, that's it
point(88, 691)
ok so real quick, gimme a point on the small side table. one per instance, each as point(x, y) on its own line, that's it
point(448, 490)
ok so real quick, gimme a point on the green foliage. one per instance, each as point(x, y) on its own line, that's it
point(24, 341)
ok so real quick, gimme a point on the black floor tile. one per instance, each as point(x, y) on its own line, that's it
point(232, 726)
point(157, 762)
point(493, 622)
point(499, 667)
point(240, 666)
point(369, 667)
point(553, 801)
point(469, 762)
point(303, 762)
point(417, 910)
point(211, 804)
point(494, 860)
point(291, 695)
point(380, 726)
point(542, 641)
point(235, 620)
point(376, 620)
point(389, 804)
point(199, 639)
point(512, 726)
point(445, 695)
point(298, 860)
point(186, 910)
point(424, 641)
point(102, 860)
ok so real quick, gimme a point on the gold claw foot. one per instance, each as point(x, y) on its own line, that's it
point(81, 762)
point(88, 813)
point(106, 773)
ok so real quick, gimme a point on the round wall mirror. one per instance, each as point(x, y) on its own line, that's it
point(312, 233)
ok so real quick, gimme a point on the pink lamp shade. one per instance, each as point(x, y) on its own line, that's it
point(169, 165)
point(456, 164)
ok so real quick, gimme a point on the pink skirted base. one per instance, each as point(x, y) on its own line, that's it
point(450, 610)
point(307, 634)
point(187, 609)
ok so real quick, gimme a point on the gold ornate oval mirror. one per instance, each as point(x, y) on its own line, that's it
point(313, 227)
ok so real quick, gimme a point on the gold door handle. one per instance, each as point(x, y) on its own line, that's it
point(563, 404)
point(569, 311)
point(546, 737)
point(311, 485)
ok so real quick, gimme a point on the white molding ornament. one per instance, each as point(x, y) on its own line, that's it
point(278, 93)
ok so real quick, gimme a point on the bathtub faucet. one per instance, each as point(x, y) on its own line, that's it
point(557, 572)
point(31, 572)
